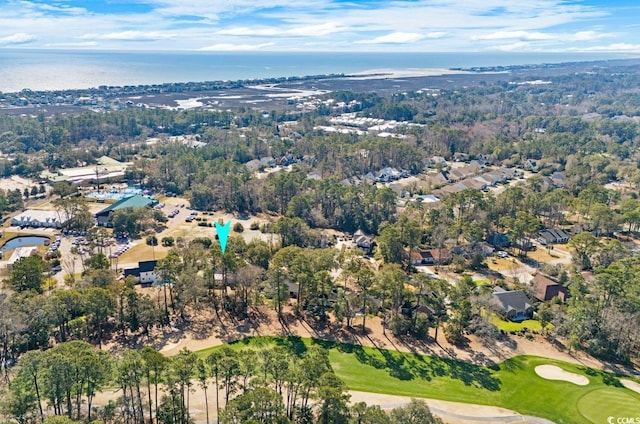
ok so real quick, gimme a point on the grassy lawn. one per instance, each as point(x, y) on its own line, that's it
point(598, 405)
point(512, 384)
point(143, 252)
point(504, 325)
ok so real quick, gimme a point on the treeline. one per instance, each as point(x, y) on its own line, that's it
point(269, 385)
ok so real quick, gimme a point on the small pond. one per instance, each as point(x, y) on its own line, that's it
point(24, 241)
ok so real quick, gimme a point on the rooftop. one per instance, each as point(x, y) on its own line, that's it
point(136, 201)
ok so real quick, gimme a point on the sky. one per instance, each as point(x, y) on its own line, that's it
point(607, 26)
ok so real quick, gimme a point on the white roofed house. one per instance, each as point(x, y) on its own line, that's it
point(20, 253)
point(41, 219)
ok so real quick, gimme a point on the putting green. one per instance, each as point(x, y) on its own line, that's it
point(598, 405)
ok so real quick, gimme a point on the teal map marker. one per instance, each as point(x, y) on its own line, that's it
point(223, 234)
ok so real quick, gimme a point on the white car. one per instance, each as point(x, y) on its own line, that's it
point(502, 254)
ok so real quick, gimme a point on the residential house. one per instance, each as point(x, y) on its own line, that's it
point(553, 236)
point(363, 241)
point(477, 165)
point(145, 272)
point(436, 256)
point(293, 289)
point(473, 183)
point(470, 250)
point(559, 179)
point(544, 288)
point(460, 157)
point(254, 165)
point(427, 198)
point(448, 189)
point(457, 174)
point(416, 258)
point(510, 173)
point(351, 181)
point(499, 240)
point(369, 178)
point(286, 160)
point(268, 161)
point(485, 159)
point(388, 174)
point(525, 244)
point(530, 165)
point(411, 311)
point(437, 160)
point(436, 179)
point(489, 182)
point(514, 305)
point(495, 177)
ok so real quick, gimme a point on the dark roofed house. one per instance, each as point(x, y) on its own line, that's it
point(498, 240)
point(514, 305)
point(134, 202)
point(145, 272)
point(553, 235)
point(363, 241)
point(544, 288)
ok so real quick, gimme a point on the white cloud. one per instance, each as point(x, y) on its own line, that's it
point(611, 48)
point(132, 35)
point(588, 36)
point(78, 44)
point(18, 38)
point(515, 47)
point(394, 38)
point(314, 25)
point(272, 31)
point(520, 35)
point(227, 47)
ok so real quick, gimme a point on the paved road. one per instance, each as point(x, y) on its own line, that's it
point(507, 419)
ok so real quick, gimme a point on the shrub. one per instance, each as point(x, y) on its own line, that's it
point(238, 228)
point(254, 226)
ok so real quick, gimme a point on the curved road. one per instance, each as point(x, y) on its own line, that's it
point(506, 419)
point(457, 411)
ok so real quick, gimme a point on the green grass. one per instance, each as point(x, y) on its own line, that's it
point(529, 324)
point(513, 384)
point(598, 405)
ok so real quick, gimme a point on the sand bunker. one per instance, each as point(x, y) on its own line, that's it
point(551, 372)
point(631, 385)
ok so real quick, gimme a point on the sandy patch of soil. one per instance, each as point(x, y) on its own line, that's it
point(552, 372)
point(631, 385)
point(17, 182)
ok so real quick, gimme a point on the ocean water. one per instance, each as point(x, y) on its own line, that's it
point(57, 70)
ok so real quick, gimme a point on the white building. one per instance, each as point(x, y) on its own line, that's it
point(145, 272)
point(41, 219)
point(19, 253)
